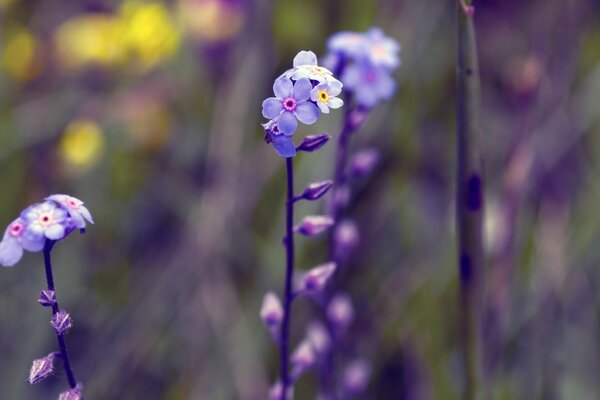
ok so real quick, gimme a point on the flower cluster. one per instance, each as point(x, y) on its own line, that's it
point(365, 62)
point(54, 219)
point(301, 94)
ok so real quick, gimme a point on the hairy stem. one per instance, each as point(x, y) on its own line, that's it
point(64, 355)
point(288, 295)
point(469, 202)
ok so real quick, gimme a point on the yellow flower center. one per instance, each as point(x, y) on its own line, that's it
point(323, 96)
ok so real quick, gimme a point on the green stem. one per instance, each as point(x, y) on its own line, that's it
point(469, 202)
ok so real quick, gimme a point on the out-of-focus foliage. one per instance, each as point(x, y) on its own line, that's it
point(149, 111)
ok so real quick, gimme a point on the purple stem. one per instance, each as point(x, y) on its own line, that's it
point(288, 295)
point(64, 355)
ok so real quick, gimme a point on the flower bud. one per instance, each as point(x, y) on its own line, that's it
point(277, 388)
point(345, 238)
point(319, 338)
point(313, 142)
point(41, 368)
point(364, 162)
point(61, 322)
point(303, 357)
point(316, 190)
point(313, 225)
point(340, 312)
point(271, 311)
point(356, 377)
point(357, 117)
point(315, 279)
point(72, 394)
point(47, 298)
point(341, 196)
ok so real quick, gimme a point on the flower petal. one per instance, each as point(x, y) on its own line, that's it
point(352, 76)
point(282, 87)
point(323, 107)
point(10, 252)
point(287, 123)
point(305, 58)
point(335, 102)
point(307, 113)
point(86, 214)
point(302, 89)
point(284, 146)
point(271, 108)
point(55, 232)
point(335, 88)
point(33, 239)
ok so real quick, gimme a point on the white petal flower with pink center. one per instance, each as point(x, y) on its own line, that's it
point(78, 212)
point(47, 219)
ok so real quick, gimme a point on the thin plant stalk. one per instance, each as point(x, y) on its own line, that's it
point(288, 294)
point(64, 355)
point(469, 203)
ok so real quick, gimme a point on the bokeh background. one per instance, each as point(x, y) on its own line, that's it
point(150, 112)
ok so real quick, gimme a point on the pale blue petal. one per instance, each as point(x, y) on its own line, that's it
point(77, 219)
point(335, 102)
point(284, 146)
point(55, 232)
point(335, 88)
point(366, 96)
point(10, 252)
point(271, 108)
point(352, 76)
point(305, 58)
point(33, 239)
point(86, 214)
point(323, 107)
point(302, 89)
point(307, 113)
point(314, 93)
point(282, 87)
point(287, 123)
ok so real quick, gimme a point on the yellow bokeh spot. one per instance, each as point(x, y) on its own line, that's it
point(89, 39)
point(4, 4)
point(212, 20)
point(149, 33)
point(18, 57)
point(82, 143)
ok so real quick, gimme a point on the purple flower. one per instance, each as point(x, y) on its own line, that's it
point(324, 94)
point(315, 279)
point(41, 368)
point(340, 312)
point(303, 358)
point(382, 50)
point(318, 337)
point(364, 162)
point(312, 143)
point(78, 212)
point(369, 83)
point(290, 105)
point(356, 377)
point(48, 220)
point(283, 145)
point(348, 44)
point(271, 311)
point(277, 389)
point(313, 225)
point(345, 237)
point(316, 190)
point(306, 66)
point(15, 239)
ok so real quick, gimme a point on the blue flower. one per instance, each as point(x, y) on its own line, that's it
point(369, 83)
point(347, 44)
point(324, 94)
point(372, 46)
point(283, 145)
point(290, 105)
point(382, 51)
point(78, 212)
point(47, 220)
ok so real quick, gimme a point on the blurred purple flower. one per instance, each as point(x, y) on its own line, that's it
point(382, 51)
point(356, 377)
point(312, 143)
point(277, 388)
point(364, 162)
point(78, 212)
point(314, 224)
point(271, 311)
point(324, 94)
point(315, 279)
point(318, 337)
point(303, 358)
point(316, 190)
point(340, 312)
point(41, 368)
point(290, 105)
point(345, 237)
point(369, 83)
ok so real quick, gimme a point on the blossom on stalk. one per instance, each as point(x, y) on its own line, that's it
point(314, 224)
point(16, 238)
point(324, 94)
point(315, 279)
point(369, 83)
point(48, 220)
point(78, 212)
point(290, 105)
point(312, 143)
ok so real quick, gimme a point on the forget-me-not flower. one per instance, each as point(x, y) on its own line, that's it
point(290, 105)
point(324, 94)
point(78, 212)
point(368, 83)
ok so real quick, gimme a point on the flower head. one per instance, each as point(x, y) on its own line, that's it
point(290, 105)
point(77, 211)
point(14, 240)
point(306, 66)
point(48, 220)
point(369, 83)
point(324, 94)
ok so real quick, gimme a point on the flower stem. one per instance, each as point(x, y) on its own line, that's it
point(64, 355)
point(469, 202)
point(288, 295)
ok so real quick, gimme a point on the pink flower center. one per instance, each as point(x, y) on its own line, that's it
point(45, 219)
point(289, 104)
point(72, 204)
point(16, 229)
point(370, 76)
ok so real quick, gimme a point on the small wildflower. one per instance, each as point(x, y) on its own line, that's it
point(345, 237)
point(382, 51)
point(283, 145)
point(41, 369)
point(290, 105)
point(356, 377)
point(364, 162)
point(318, 337)
point(324, 94)
point(14, 240)
point(47, 219)
point(61, 322)
point(369, 83)
point(316, 190)
point(340, 312)
point(271, 311)
point(315, 279)
point(306, 66)
point(47, 298)
point(78, 212)
point(277, 389)
point(314, 224)
point(312, 143)
point(303, 357)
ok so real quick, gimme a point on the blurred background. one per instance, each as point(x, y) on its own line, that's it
point(149, 112)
